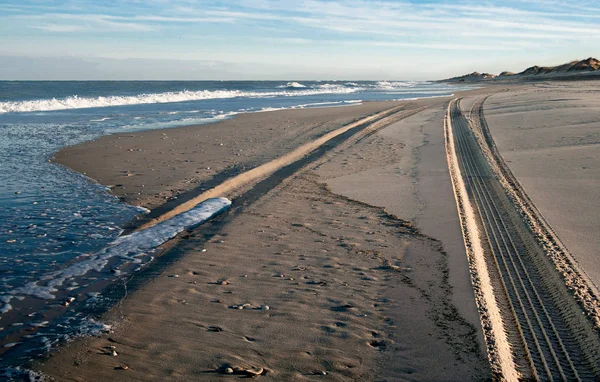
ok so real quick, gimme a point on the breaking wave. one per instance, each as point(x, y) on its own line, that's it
point(290, 89)
point(76, 102)
point(293, 85)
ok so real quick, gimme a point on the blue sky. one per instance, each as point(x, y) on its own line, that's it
point(299, 39)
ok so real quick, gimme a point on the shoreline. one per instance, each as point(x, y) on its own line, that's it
point(402, 159)
point(192, 244)
point(249, 152)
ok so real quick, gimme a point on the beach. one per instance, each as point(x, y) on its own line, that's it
point(355, 277)
point(148, 168)
point(320, 190)
point(348, 263)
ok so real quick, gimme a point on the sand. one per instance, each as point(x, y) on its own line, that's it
point(150, 167)
point(549, 135)
point(353, 290)
point(403, 169)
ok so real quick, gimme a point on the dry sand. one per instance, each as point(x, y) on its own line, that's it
point(351, 289)
point(549, 135)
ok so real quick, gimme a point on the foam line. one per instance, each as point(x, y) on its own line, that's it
point(128, 247)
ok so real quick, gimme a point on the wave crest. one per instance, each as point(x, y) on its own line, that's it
point(75, 102)
point(292, 85)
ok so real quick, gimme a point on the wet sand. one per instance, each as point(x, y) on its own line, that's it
point(150, 167)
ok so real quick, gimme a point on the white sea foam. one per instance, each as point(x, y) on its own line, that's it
point(22, 374)
point(129, 248)
point(76, 102)
point(328, 104)
point(142, 209)
point(392, 85)
point(314, 104)
point(293, 85)
point(5, 308)
point(179, 122)
point(331, 87)
point(91, 327)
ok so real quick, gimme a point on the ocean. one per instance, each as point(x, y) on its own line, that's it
point(54, 222)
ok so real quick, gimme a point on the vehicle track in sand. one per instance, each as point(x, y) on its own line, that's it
point(542, 320)
point(363, 128)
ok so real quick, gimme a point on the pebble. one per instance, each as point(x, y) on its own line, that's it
point(175, 276)
point(204, 250)
point(114, 353)
point(265, 307)
point(222, 282)
point(229, 371)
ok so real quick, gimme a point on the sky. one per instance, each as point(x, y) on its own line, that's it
point(290, 39)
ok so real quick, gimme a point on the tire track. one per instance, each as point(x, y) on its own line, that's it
point(551, 350)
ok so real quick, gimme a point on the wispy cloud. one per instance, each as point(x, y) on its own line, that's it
point(84, 22)
point(308, 32)
point(61, 28)
point(354, 17)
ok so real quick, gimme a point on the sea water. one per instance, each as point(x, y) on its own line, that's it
point(54, 221)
